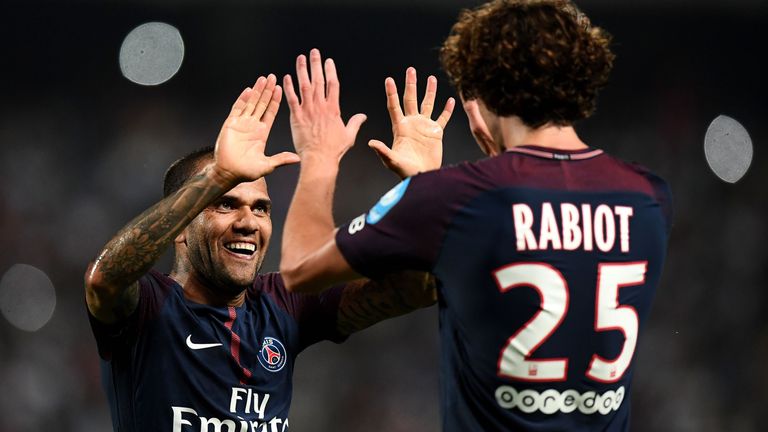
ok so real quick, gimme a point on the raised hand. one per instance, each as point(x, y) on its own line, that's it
point(418, 140)
point(240, 146)
point(316, 124)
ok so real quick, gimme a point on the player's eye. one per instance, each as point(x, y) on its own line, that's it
point(224, 206)
point(261, 209)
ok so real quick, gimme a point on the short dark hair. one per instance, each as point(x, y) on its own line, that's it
point(181, 170)
point(540, 60)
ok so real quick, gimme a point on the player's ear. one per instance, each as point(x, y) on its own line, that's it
point(478, 127)
point(181, 238)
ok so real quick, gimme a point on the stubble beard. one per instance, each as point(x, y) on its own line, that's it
point(235, 279)
point(227, 278)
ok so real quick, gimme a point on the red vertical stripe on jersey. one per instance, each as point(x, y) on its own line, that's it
point(234, 346)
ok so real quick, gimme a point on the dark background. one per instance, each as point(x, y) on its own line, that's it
point(83, 151)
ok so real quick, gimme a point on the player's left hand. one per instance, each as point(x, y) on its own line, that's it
point(418, 140)
point(316, 124)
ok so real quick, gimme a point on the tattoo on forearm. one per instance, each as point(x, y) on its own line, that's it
point(364, 303)
point(134, 249)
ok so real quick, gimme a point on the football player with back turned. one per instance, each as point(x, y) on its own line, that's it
point(547, 253)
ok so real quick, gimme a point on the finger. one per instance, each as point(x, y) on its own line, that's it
point(354, 123)
point(290, 94)
point(429, 97)
point(302, 75)
point(387, 157)
point(382, 151)
point(447, 112)
point(333, 81)
point(284, 158)
point(318, 81)
point(393, 101)
point(237, 107)
point(410, 102)
point(274, 104)
point(266, 96)
point(253, 98)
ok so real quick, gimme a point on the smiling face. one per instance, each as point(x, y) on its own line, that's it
point(226, 243)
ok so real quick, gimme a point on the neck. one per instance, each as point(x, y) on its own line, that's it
point(198, 289)
point(515, 133)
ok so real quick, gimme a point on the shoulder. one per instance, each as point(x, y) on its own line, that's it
point(462, 172)
point(656, 185)
point(651, 184)
point(159, 279)
point(271, 285)
point(452, 182)
point(268, 282)
point(155, 287)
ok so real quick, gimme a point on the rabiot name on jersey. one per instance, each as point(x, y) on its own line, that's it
point(582, 227)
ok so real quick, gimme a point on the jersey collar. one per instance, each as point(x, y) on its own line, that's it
point(564, 155)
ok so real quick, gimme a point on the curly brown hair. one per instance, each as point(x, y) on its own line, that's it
point(540, 60)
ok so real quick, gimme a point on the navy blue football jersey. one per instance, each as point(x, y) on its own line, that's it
point(176, 365)
point(546, 265)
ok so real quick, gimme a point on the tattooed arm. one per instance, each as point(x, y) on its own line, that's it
point(365, 302)
point(111, 281)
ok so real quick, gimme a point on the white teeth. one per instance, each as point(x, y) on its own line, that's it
point(244, 246)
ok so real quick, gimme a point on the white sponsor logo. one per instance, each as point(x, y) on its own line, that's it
point(198, 346)
point(248, 413)
point(552, 401)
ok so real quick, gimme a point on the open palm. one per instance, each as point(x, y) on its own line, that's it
point(316, 124)
point(240, 146)
point(417, 145)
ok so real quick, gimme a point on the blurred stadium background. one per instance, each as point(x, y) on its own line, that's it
point(83, 151)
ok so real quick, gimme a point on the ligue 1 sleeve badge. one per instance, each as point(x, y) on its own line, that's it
point(272, 355)
point(387, 201)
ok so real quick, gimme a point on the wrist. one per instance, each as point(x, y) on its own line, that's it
point(319, 160)
point(403, 173)
point(221, 178)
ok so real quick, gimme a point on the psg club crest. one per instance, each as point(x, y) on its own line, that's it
point(272, 355)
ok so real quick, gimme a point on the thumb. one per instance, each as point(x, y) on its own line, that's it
point(354, 123)
point(381, 149)
point(388, 157)
point(284, 158)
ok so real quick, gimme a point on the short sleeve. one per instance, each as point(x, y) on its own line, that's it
point(664, 197)
point(115, 339)
point(662, 193)
point(405, 229)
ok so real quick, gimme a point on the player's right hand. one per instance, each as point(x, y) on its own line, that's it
point(239, 154)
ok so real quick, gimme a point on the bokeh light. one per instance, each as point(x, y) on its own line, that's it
point(27, 297)
point(728, 149)
point(152, 53)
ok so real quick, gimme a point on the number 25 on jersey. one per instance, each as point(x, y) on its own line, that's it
point(515, 361)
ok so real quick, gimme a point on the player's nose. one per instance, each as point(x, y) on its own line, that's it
point(245, 221)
